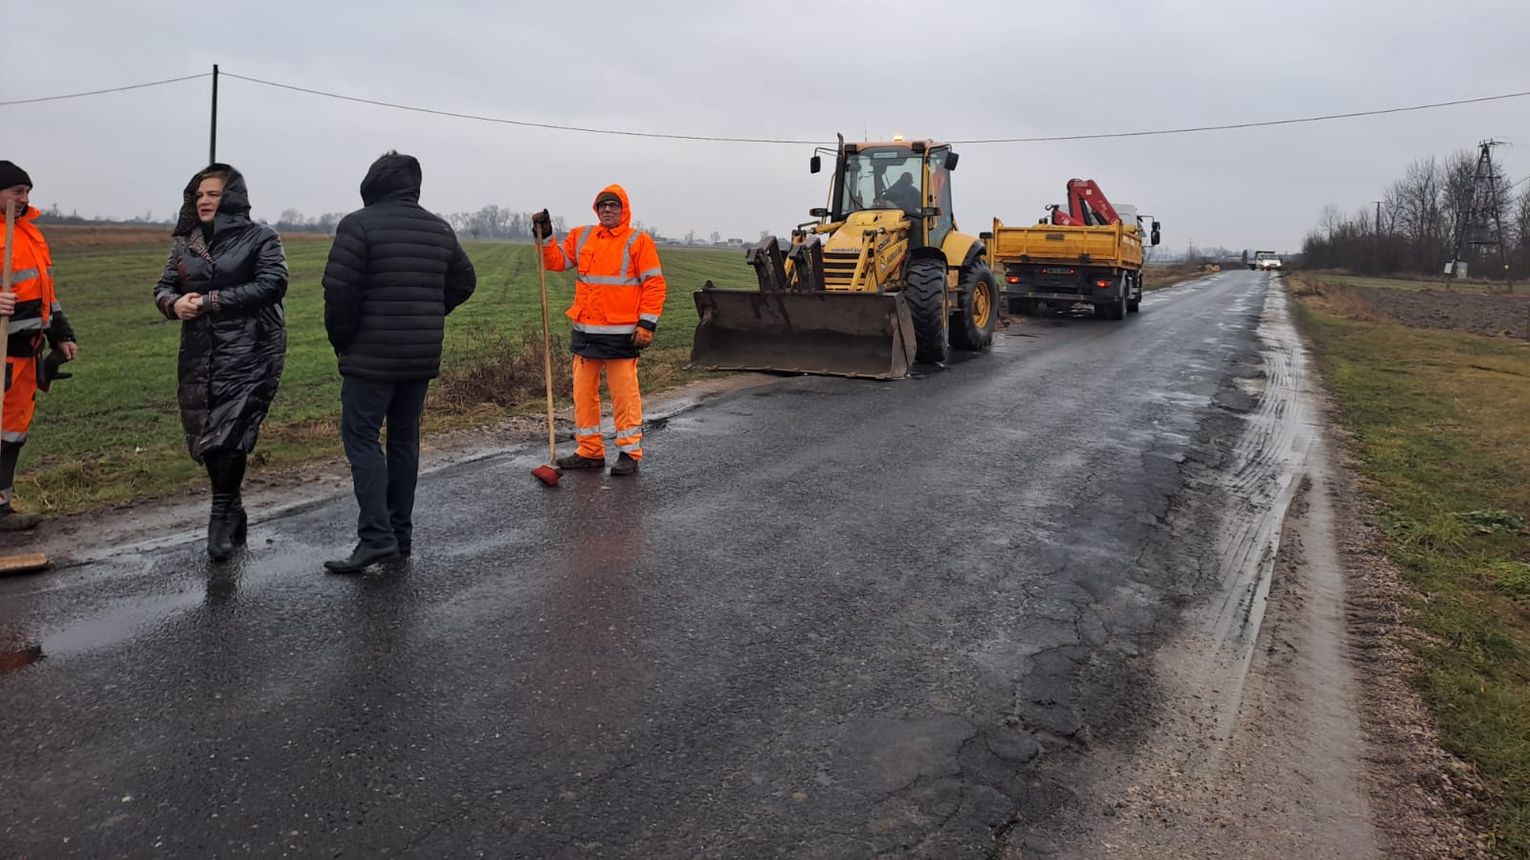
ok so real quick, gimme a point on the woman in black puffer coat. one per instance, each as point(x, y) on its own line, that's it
point(225, 282)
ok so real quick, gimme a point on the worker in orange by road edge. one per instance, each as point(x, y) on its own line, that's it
point(618, 297)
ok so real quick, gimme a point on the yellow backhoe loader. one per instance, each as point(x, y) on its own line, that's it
point(879, 280)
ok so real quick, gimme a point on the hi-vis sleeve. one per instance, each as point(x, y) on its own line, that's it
point(650, 275)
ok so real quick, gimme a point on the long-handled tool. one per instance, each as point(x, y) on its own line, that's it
point(30, 560)
point(548, 473)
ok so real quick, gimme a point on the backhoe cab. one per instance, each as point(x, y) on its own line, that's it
point(879, 280)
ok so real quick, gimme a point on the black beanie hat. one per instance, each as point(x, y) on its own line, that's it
point(11, 176)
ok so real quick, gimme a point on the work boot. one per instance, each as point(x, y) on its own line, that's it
point(579, 461)
point(241, 525)
point(362, 558)
point(220, 529)
point(624, 466)
point(12, 520)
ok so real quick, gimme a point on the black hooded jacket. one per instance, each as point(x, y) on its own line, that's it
point(393, 275)
point(232, 354)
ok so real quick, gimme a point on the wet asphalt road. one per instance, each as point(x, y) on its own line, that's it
point(831, 618)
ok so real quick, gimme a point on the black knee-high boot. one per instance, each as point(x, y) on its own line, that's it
point(227, 525)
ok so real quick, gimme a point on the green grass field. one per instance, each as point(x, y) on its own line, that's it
point(1438, 422)
point(112, 433)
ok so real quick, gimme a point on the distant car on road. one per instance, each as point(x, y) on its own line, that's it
point(1268, 263)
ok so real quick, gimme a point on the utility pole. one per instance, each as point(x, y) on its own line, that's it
point(212, 137)
point(1376, 239)
point(1480, 222)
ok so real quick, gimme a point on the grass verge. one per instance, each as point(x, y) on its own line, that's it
point(112, 433)
point(1437, 421)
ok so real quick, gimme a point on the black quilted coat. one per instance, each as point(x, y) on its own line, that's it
point(232, 355)
point(394, 273)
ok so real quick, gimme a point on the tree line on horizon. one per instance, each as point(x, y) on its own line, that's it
point(1414, 227)
point(489, 222)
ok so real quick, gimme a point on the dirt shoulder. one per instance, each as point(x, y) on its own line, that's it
point(1290, 728)
point(1424, 799)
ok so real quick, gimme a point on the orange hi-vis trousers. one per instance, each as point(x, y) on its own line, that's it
point(626, 405)
point(20, 398)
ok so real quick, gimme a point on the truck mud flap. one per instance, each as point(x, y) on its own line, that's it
point(868, 335)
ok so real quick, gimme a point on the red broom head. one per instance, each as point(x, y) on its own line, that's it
point(547, 474)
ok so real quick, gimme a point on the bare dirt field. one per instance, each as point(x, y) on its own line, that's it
point(1499, 315)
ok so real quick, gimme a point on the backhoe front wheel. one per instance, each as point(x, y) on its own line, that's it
point(977, 310)
point(925, 291)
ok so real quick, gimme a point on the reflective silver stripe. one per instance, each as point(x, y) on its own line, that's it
point(28, 324)
point(587, 431)
point(584, 236)
point(653, 318)
point(13, 436)
point(22, 275)
point(657, 272)
point(609, 280)
point(627, 248)
point(605, 329)
point(630, 449)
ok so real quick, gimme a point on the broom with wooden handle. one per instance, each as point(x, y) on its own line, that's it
point(26, 561)
point(548, 472)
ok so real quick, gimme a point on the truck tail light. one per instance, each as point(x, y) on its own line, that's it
point(1013, 279)
point(1102, 283)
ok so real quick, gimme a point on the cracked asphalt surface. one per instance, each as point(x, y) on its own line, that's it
point(832, 618)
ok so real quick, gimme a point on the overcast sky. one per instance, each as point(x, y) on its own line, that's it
point(951, 70)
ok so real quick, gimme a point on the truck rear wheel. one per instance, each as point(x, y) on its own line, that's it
point(1117, 309)
point(977, 313)
point(925, 291)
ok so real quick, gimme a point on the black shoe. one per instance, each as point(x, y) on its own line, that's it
point(12, 520)
point(362, 558)
point(625, 465)
point(579, 461)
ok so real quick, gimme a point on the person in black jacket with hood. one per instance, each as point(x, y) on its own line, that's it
point(393, 275)
point(224, 282)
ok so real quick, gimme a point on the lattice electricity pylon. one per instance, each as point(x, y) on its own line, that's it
point(1480, 223)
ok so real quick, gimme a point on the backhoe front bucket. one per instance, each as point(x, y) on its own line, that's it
point(868, 335)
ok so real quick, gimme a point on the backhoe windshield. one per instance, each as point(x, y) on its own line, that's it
point(881, 179)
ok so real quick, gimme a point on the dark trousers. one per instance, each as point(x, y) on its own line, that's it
point(384, 483)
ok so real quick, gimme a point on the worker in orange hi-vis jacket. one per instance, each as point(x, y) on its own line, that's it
point(36, 322)
point(618, 297)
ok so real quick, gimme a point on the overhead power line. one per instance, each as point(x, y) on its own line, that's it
point(520, 122)
point(773, 140)
point(1261, 124)
point(108, 90)
point(1042, 139)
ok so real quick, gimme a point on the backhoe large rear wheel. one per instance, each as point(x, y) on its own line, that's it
point(925, 292)
point(977, 313)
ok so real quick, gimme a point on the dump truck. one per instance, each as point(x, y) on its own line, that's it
point(1089, 254)
point(879, 280)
